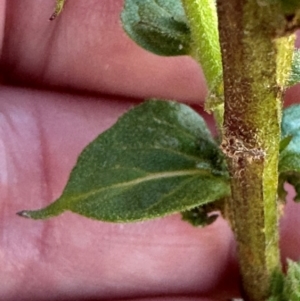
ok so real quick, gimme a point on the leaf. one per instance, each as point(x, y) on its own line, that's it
point(199, 216)
point(284, 142)
point(286, 287)
point(292, 282)
point(277, 286)
point(289, 160)
point(158, 159)
point(159, 26)
point(295, 72)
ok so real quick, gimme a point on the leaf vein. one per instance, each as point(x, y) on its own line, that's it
point(137, 181)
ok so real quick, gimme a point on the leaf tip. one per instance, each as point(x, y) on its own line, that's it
point(31, 214)
point(44, 213)
point(53, 16)
point(24, 213)
point(58, 9)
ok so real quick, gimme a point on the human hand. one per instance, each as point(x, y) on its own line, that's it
point(85, 52)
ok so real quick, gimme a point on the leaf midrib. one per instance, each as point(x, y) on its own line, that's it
point(154, 176)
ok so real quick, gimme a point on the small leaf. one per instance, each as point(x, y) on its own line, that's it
point(199, 216)
point(277, 286)
point(289, 160)
point(285, 142)
point(158, 159)
point(159, 26)
point(286, 287)
point(295, 72)
point(292, 282)
point(290, 129)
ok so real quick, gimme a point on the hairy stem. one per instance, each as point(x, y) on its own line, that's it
point(202, 17)
point(255, 66)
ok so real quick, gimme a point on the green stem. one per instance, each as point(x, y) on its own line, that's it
point(255, 68)
point(203, 21)
point(202, 17)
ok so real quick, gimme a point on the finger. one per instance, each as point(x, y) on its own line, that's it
point(2, 20)
point(292, 95)
point(177, 299)
point(71, 256)
point(2, 24)
point(86, 49)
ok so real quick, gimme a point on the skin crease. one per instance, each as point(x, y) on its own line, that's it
point(84, 52)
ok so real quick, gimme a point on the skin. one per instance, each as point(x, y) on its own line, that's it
point(64, 82)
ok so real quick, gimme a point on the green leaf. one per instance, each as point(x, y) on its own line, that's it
point(284, 142)
point(158, 159)
point(286, 287)
point(159, 26)
point(295, 72)
point(292, 282)
point(277, 286)
point(289, 160)
point(199, 216)
point(290, 131)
